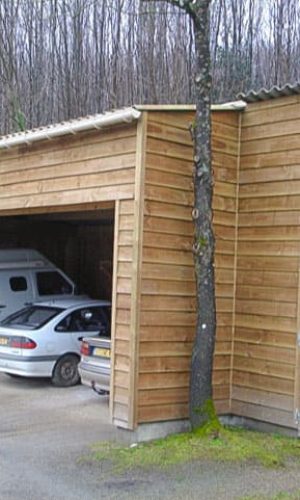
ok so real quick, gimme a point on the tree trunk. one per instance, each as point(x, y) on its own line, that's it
point(201, 405)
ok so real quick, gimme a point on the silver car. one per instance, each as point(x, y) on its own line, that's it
point(94, 367)
point(44, 339)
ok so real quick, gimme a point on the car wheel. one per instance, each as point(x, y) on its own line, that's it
point(65, 373)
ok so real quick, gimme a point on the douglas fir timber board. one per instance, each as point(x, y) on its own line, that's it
point(80, 172)
point(268, 263)
point(167, 318)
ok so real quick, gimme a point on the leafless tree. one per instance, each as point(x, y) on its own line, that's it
point(64, 58)
point(201, 402)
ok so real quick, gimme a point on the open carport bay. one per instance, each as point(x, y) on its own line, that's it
point(44, 431)
point(78, 242)
point(35, 406)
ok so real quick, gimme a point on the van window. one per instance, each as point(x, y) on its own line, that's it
point(52, 283)
point(18, 284)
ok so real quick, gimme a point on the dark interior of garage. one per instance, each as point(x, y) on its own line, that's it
point(80, 243)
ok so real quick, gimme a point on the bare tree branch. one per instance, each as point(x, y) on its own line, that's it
point(188, 5)
point(62, 58)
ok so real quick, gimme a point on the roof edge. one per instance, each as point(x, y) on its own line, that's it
point(230, 106)
point(99, 121)
point(126, 115)
point(273, 93)
point(227, 106)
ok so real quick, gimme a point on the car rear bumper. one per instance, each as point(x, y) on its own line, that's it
point(28, 368)
point(91, 377)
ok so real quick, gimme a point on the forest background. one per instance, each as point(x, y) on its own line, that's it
point(61, 59)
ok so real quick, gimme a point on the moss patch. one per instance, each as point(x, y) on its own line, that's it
point(212, 425)
point(233, 445)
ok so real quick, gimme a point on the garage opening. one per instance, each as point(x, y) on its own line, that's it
point(78, 242)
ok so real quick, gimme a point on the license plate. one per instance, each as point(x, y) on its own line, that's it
point(3, 341)
point(99, 351)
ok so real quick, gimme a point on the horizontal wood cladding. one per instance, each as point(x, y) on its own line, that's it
point(271, 111)
point(263, 398)
point(91, 169)
point(270, 160)
point(120, 390)
point(256, 216)
point(268, 189)
point(266, 382)
point(78, 147)
point(86, 168)
point(269, 307)
point(264, 363)
point(262, 404)
point(103, 179)
point(263, 413)
point(65, 198)
point(162, 412)
point(265, 337)
point(167, 320)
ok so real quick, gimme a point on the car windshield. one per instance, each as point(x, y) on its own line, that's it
point(32, 317)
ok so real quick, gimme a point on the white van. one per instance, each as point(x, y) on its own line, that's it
point(27, 276)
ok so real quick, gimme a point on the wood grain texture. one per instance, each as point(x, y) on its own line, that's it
point(256, 215)
point(264, 413)
point(121, 318)
point(65, 172)
point(168, 283)
point(135, 306)
point(268, 250)
point(86, 171)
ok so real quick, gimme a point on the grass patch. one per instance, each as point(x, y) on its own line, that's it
point(280, 496)
point(231, 445)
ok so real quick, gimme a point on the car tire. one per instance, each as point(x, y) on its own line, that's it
point(65, 372)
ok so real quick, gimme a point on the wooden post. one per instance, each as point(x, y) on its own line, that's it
point(297, 363)
point(136, 268)
point(238, 164)
point(114, 307)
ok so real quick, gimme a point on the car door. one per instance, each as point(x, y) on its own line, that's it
point(83, 322)
point(15, 291)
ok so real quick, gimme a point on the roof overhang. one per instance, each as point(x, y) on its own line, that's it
point(126, 115)
point(272, 93)
point(100, 121)
point(227, 106)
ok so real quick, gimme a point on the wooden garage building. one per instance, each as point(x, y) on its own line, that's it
point(137, 162)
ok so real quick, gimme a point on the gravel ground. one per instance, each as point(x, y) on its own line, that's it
point(45, 431)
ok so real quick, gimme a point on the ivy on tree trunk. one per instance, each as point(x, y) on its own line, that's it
point(201, 404)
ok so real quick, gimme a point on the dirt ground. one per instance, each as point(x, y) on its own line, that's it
point(45, 432)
